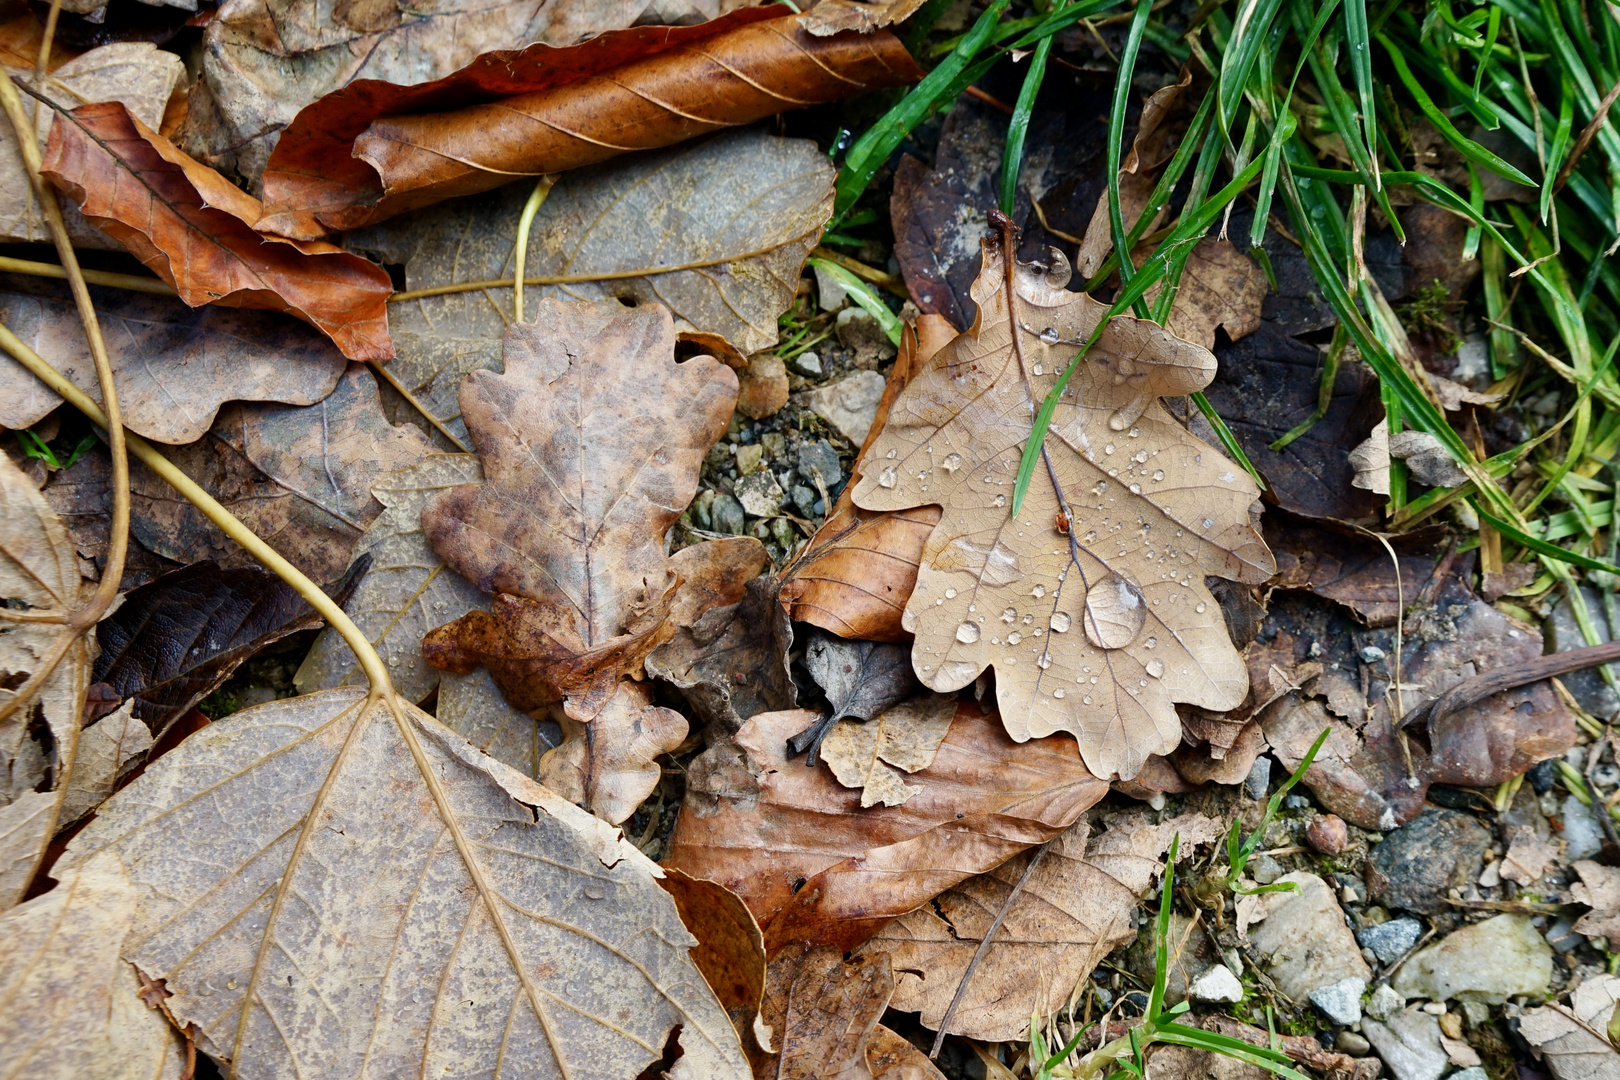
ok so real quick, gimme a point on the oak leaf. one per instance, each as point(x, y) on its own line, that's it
point(325, 882)
point(193, 229)
point(591, 442)
point(813, 865)
point(1092, 607)
point(174, 366)
point(442, 145)
point(732, 661)
point(39, 571)
point(611, 764)
point(866, 756)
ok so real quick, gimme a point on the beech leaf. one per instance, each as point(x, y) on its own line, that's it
point(591, 442)
point(1097, 625)
point(193, 229)
point(324, 884)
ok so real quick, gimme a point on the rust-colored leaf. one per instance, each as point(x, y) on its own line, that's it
point(193, 229)
point(591, 442)
point(374, 150)
point(813, 865)
point(1091, 604)
point(730, 950)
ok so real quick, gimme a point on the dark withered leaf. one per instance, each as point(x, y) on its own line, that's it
point(860, 679)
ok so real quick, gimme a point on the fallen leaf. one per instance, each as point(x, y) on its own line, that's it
point(176, 639)
point(38, 572)
point(1170, 509)
point(109, 750)
point(473, 707)
point(388, 834)
point(298, 476)
point(832, 16)
point(832, 1008)
point(136, 73)
point(1598, 889)
point(1527, 857)
point(407, 590)
point(1213, 764)
point(20, 39)
point(591, 443)
point(267, 66)
point(610, 765)
point(1221, 287)
point(551, 113)
point(860, 679)
point(81, 495)
point(812, 865)
point(890, 1057)
point(174, 365)
point(1568, 1044)
point(1371, 460)
point(59, 953)
point(730, 951)
point(906, 736)
point(193, 229)
point(1075, 909)
point(731, 662)
point(1428, 461)
point(1352, 568)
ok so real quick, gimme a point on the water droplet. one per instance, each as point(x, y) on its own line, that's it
point(1109, 449)
point(1136, 489)
point(1044, 662)
point(888, 476)
point(1086, 700)
point(1038, 591)
point(1141, 457)
point(1135, 432)
point(230, 984)
point(1209, 523)
point(1060, 622)
point(1014, 638)
point(1158, 474)
point(892, 454)
point(1114, 612)
point(967, 633)
point(1155, 668)
point(1200, 608)
point(1058, 693)
point(1050, 335)
point(206, 990)
point(416, 997)
point(950, 594)
point(1001, 500)
point(1008, 616)
point(595, 892)
point(1152, 643)
point(951, 463)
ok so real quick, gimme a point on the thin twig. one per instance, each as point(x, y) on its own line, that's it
point(1483, 686)
point(1588, 133)
point(984, 944)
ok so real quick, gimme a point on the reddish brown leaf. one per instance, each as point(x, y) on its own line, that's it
point(730, 951)
point(194, 229)
point(356, 157)
point(812, 865)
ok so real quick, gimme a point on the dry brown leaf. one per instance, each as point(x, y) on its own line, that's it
point(855, 575)
point(1570, 1044)
point(730, 951)
point(20, 38)
point(108, 749)
point(1527, 857)
point(321, 883)
point(891, 1057)
point(473, 707)
point(1134, 629)
point(136, 73)
point(830, 1009)
point(832, 16)
point(298, 476)
point(554, 112)
point(866, 755)
point(1220, 287)
point(1075, 909)
point(812, 865)
point(193, 229)
point(174, 366)
point(83, 1018)
point(1599, 889)
point(611, 764)
point(591, 443)
point(39, 571)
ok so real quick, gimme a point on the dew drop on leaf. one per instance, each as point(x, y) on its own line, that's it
point(1060, 623)
point(887, 477)
point(967, 633)
point(1014, 638)
point(1115, 612)
point(1155, 668)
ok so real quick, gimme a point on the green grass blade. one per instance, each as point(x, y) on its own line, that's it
point(1116, 139)
point(1249, 32)
point(1227, 440)
point(1012, 157)
point(1539, 546)
point(1161, 935)
point(1360, 43)
point(1560, 143)
point(860, 292)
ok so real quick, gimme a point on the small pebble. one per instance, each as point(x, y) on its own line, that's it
point(1340, 1002)
point(1259, 777)
point(726, 513)
point(1265, 869)
point(1385, 1002)
point(1390, 939)
point(1435, 1008)
point(1473, 1072)
point(1372, 654)
point(1353, 1044)
point(1327, 833)
point(1297, 802)
point(1216, 984)
point(1451, 1024)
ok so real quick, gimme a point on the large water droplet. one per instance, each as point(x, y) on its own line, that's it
point(1001, 500)
point(1060, 623)
point(1158, 474)
point(1115, 613)
point(230, 984)
point(1109, 449)
point(950, 594)
point(967, 633)
point(1009, 615)
point(1050, 335)
point(1200, 608)
point(1038, 591)
point(891, 455)
point(1014, 638)
point(595, 892)
point(1155, 668)
point(951, 463)
point(1152, 643)
point(1058, 693)
point(888, 476)
point(1141, 457)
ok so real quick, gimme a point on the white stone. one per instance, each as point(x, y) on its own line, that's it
point(829, 292)
point(1217, 984)
point(759, 493)
point(1385, 1002)
point(1410, 1045)
point(1304, 940)
point(1583, 836)
point(1341, 1001)
point(1490, 961)
point(850, 404)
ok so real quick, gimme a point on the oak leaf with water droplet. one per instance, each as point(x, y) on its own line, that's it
point(1151, 510)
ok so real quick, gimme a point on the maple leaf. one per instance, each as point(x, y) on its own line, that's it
point(1091, 603)
point(591, 442)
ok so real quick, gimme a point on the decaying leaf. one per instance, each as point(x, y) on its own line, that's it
point(193, 228)
point(38, 572)
point(860, 679)
point(1569, 1044)
point(108, 750)
point(175, 639)
point(473, 707)
point(611, 764)
point(1352, 569)
point(77, 1011)
point(1599, 889)
point(1221, 287)
point(730, 951)
point(136, 73)
point(591, 443)
point(833, 16)
point(906, 736)
point(174, 365)
point(832, 1007)
point(891, 1057)
point(1096, 625)
point(299, 477)
point(435, 875)
point(813, 865)
point(442, 145)
point(407, 590)
point(1076, 908)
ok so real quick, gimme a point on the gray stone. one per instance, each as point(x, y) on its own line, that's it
point(1419, 863)
point(1259, 777)
point(804, 499)
point(850, 404)
point(1265, 869)
point(1389, 940)
point(759, 493)
point(807, 363)
point(1216, 984)
point(1354, 1044)
point(1583, 836)
point(1303, 940)
point(829, 293)
point(1385, 1002)
point(786, 536)
point(1409, 1043)
point(700, 509)
point(1473, 1072)
point(726, 515)
point(819, 456)
point(1502, 957)
point(1561, 935)
point(1340, 1002)
point(1563, 633)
